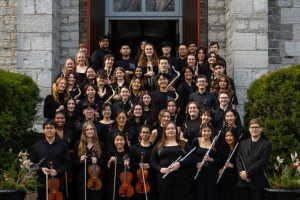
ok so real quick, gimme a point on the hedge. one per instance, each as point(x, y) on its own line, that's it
point(275, 98)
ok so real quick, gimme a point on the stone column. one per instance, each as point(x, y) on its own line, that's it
point(38, 42)
point(246, 43)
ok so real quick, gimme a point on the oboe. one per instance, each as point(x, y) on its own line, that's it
point(207, 153)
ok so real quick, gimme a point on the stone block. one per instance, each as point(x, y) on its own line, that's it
point(296, 31)
point(290, 60)
point(244, 6)
point(260, 25)
point(35, 23)
point(72, 53)
point(7, 11)
point(69, 28)
point(250, 59)
point(69, 44)
point(41, 41)
point(283, 35)
point(273, 44)
point(262, 41)
point(74, 36)
point(242, 77)
point(44, 7)
point(260, 6)
point(69, 11)
point(23, 41)
point(273, 11)
point(275, 60)
point(43, 77)
point(280, 27)
point(74, 3)
point(291, 48)
point(284, 3)
point(34, 59)
point(290, 15)
point(273, 19)
point(213, 19)
point(9, 20)
point(241, 93)
point(274, 52)
point(217, 28)
point(26, 7)
point(73, 19)
point(257, 73)
point(4, 36)
point(64, 36)
point(7, 52)
point(31, 73)
point(65, 3)
point(296, 3)
point(5, 44)
point(244, 41)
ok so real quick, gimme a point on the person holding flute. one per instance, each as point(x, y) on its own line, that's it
point(175, 186)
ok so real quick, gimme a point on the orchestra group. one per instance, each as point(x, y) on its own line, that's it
point(148, 127)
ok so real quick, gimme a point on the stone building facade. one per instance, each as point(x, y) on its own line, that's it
point(255, 36)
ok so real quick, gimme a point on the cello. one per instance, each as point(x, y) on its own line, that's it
point(142, 186)
point(126, 189)
point(53, 185)
point(94, 183)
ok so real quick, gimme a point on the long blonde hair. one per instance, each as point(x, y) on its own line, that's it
point(82, 144)
point(55, 90)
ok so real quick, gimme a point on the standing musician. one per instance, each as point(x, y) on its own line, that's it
point(164, 118)
point(175, 186)
point(146, 147)
point(115, 165)
point(88, 152)
point(174, 109)
point(51, 149)
point(125, 103)
point(205, 187)
point(252, 160)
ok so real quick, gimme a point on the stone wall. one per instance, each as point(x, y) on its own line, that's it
point(247, 43)
point(8, 34)
point(284, 33)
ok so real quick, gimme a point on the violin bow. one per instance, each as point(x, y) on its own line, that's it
point(115, 178)
point(85, 178)
point(142, 168)
point(47, 186)
point(66, 180)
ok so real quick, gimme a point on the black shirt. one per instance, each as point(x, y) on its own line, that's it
point(205, 100)
point(160, 98)
point(128, 65)
point(180, 64)
point(79, 130)
point(51, 105)
point(97, 58)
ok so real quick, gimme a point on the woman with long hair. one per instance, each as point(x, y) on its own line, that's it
point(174, 109)
point(192, 63)
point(136, 120)
point(70, 113)
point(205, 186)
point(125, 102)
point(211, 60)
point(106, 124)
point(141, 49)
point(88, 151)
point(104, 91)
point(73, 87)
point(90, 77)
point(176, 185)
point(55, 101)
point(136, 88)
point(119, 80)
point(150, 112)
point(81, 65)
point(164, 118)
point(202, 60)
point(138, 73)
point(68, 67)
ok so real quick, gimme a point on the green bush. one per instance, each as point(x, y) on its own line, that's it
point(19, 98)
point(275, 98)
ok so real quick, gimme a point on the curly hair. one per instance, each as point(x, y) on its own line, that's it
point(143, 58)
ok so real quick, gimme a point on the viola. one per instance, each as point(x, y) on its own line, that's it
point(142, 186)
point(53, 185)
point(126, 189)
point(94, 183)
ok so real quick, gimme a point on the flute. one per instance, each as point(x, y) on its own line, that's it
point(248, 179)
point(207, 153)
point(191, 151)
point(169, 167)
point(229, 157)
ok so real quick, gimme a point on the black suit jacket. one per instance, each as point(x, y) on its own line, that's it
point(255, 160)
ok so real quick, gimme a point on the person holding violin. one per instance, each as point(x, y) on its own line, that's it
point(51, 149)
point(117, 165)
point(89, 159)
point(140, 158)
point(163, 158)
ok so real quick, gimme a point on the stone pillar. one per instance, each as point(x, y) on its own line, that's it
point(38, 43)
point(246, 43)
point(8, 34)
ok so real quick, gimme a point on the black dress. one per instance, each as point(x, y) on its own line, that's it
point(104, 129)
point(190, 129)
point(159, 134)
point(91, 194)
point(205, 186)
point(135, 160)
point(176, 185)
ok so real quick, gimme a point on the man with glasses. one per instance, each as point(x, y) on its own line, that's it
point(181, 61)
point(219, 114)
point(98, 55)
point(203, 97)
point(251, 162)
point(88, 110)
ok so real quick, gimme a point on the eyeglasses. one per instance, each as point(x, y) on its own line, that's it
point(254, 127)
point(89, 109)
point(107, 41)
point(145, 132)
point(138, 109)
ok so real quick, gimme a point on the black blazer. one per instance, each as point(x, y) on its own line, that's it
point(255, 160)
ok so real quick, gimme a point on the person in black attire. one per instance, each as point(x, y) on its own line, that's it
point(227, 189)
point(104, 91)
point(191, 123)
point(69, 66)
point(164, 118)
point(90, 77)
point(73, 87)
point(161, 96)
point(83, 47)
point(55, 101)
point(174, 109)
point(219, 120)
point(88, 109)
point(125, 103)
point(136, 88)
point(176, 185)
point(163, 65)
point(70, 114)
point(202, 60)
point(122, 126)
point(90, 91)
point(203, 97)
point(140, 49)
point(51, 149)
point(146, 147)
point(108, 67)
point(192, 63)
point(192, 48)
point(117, 156)
point(106, 124)
point(205, 187)
point(181, 61)
point(209, 64)
point(254, 154)
point(166, 48)
point(136, 120)
point(98, 55)
point(187, 87)
point(126, 62)
point(150, 112)
point(88, 151)
point(138, 73)
point(214, 47)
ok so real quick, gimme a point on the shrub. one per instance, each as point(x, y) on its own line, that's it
point(275, 98)
point(19, 97)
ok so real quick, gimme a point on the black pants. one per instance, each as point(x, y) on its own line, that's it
point(251, 194)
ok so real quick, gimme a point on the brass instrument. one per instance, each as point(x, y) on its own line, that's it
point(79, 94)
point(173, 81)
point(214, 77)
point(150, 69)
point(129, 111)
point(111, 96)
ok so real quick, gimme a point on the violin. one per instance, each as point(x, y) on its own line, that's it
point(127, 139)
point(94, 183)
point(142, 186)
point(126, 189)
point(53, 185)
